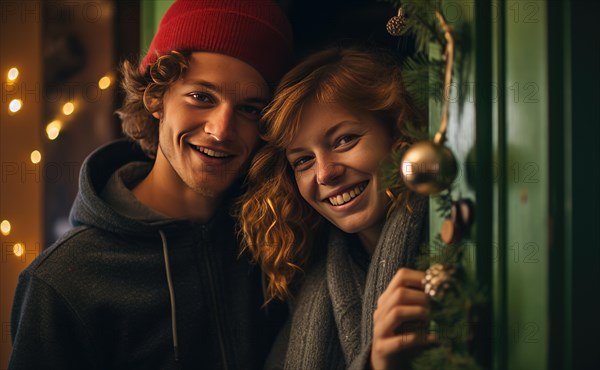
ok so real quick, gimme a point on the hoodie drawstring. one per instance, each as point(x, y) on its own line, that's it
point(171, 294)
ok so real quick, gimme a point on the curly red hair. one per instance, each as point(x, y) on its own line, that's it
point(277, 225)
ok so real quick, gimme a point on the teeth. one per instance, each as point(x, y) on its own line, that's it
point(343, 198)
point(210, 152)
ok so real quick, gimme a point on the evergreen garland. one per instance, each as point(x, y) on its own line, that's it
point(422, 69)
point(452, 315)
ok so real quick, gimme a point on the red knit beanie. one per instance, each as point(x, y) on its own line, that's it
point(254, 31)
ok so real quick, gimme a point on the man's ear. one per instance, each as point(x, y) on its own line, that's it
point(151, 105)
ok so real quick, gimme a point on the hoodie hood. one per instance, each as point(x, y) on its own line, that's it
point(89, 209)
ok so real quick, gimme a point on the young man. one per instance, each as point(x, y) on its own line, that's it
point(150, 277)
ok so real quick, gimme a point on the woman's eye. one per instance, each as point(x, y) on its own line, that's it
point(300, 162)
point(202, 97)
point(345, 140)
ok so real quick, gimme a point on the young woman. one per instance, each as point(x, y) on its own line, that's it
point(317, 218)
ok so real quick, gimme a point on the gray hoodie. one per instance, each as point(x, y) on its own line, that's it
point(138, 290)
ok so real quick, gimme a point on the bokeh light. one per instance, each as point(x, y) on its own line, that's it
point(53, 129)
point(12, 74)
point(36, 157)
point(68, 108)
point(104, 83)
point(18, 249)
point(5, 227)
point(15, 105)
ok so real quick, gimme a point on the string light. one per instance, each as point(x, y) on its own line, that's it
point(12, 74)
point(5, 227)
point(68, 108)
point(53, 129)
point(104, 82)
point(18, 249)
point(15, 105)
point(36, 157)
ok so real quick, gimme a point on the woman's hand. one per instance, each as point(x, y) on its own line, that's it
point(402, 302)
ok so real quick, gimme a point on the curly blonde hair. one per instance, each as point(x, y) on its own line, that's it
point(143, 96)
point(277, 225)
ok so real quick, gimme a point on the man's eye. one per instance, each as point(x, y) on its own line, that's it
point(252, 110)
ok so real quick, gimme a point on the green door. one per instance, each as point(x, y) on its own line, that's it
point(523, 131)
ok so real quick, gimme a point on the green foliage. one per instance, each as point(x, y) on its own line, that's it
point(443, 358)
point(443, 203)
point(452, 315)
point(390, 172)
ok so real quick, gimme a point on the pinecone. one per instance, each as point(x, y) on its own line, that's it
point(438, 279)
point(396, 24)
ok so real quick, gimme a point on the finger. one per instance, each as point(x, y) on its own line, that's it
point(387, 324)
point(403, 278)
point(407, 278)
point(402, 297)
point(391, 346)
point(412, 327)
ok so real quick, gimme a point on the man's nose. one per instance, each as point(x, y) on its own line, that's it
point(220, 123)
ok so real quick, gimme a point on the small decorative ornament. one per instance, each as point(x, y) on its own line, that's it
point(396, 24)
point(438, 279)
point(457, 225)
point(428, 167)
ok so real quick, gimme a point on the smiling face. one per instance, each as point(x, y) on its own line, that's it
point(336, 157)
point(209, 124)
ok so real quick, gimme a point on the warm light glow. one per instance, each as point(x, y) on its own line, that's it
point(18, 249)
point(36, 157)
point(104, 83)
point(15, 105)
point(68, 108)
point(5, 227)
point(13, 73)
point(53, 129)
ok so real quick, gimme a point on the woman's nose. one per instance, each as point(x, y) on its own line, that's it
point(329, 172)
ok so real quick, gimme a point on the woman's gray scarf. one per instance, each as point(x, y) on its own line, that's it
point(332, 320)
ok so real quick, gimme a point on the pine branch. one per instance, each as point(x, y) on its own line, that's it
point(452, 314)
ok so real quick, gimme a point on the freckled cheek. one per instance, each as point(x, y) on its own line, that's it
point(372, 161)
point(364, 164)
point(305, 186)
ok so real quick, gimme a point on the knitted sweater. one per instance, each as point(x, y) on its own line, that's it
point(331, 325)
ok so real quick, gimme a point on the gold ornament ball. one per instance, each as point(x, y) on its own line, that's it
point(428, 168)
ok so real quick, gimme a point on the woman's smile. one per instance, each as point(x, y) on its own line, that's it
point(347, 196)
